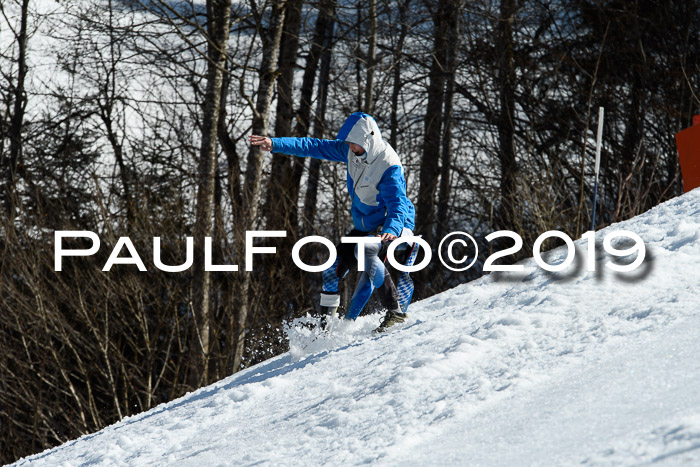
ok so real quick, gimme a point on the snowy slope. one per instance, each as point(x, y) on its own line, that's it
point(600, 368)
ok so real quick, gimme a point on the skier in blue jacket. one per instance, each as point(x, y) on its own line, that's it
point(380, 207)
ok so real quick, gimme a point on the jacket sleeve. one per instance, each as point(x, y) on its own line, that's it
point(392, 189)
point(330, 150)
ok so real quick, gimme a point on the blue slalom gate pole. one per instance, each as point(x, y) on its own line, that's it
point(599, 140)
point(595, 196)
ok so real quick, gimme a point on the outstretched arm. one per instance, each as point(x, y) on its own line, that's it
point(331, 150)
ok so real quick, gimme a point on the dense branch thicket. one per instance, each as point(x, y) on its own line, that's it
point(128, 118)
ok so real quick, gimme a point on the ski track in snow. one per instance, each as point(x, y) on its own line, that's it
point(533, 368)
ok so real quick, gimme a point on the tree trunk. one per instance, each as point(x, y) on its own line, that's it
point(106, 114)
point(429, 171)
point(281, 203)
point(247, 213)
point(506, 116)
point(398, 82)
point(218, 14)
point(322, 41)
point(357, 57)
point(311, 197)
point(446, 157)
point(371, 57)
point(228, 145)
point(17, 120)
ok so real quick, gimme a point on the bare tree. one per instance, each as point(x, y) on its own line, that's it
point(397, 78)
point(371, 57)
point(504, 47)
point(311, 197)
point(430, 161)
point(280, 205)
point(16, 120)
point(246, 214)
point(218, 18)
point(447, 124)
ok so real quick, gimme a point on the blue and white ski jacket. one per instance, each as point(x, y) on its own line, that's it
point(375, 179)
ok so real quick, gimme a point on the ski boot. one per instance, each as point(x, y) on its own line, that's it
point(330, 301)
point(327, 313)
point(392, 317)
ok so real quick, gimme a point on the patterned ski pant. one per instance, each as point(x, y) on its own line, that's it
point(375, 276)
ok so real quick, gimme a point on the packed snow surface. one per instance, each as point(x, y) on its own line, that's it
point(599, 368)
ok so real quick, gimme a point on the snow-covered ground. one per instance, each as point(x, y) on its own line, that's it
point(600, 368)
